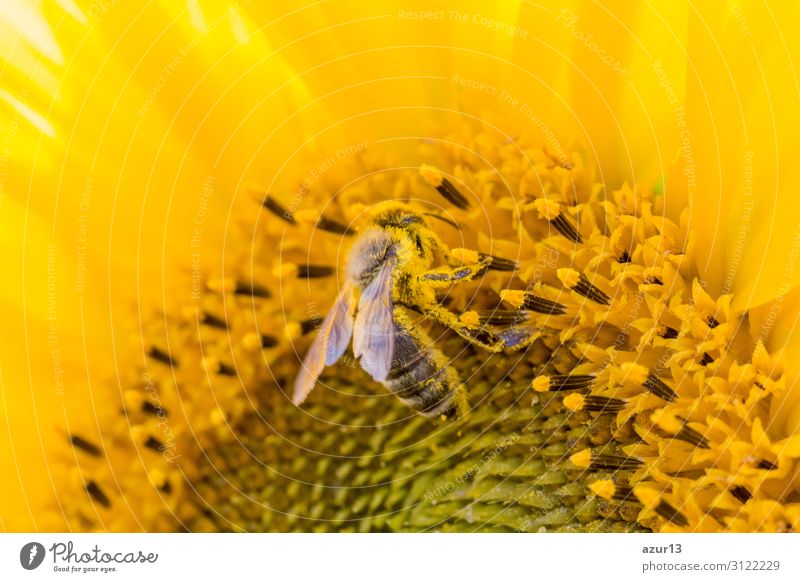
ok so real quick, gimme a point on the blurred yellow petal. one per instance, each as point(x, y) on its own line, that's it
point(736, 171)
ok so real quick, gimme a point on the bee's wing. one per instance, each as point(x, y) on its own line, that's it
point(373, 339)
point(329, 345)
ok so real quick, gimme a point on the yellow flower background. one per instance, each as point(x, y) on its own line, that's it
point(153, 312)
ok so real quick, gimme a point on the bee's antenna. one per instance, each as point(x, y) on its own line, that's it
point(452, 223)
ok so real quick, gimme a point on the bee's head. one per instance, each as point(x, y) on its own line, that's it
point(397, 215)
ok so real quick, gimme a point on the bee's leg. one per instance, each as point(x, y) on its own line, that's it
point(445, 276)
point(469, 326)
point(471, 264)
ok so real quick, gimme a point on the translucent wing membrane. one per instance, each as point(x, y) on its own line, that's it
point(373, 340)
point(329, 345)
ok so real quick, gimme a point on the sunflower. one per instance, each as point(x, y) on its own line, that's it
point(181, 180)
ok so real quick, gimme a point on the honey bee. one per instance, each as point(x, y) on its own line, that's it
point(390, 273)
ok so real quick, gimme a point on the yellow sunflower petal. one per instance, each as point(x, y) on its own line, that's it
point(736, 171)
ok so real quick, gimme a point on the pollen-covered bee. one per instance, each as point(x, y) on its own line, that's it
point(390, 275)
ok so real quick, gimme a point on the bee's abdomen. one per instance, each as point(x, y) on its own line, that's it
point(420, 376)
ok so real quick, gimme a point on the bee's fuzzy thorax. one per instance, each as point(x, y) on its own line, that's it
point(375, 246)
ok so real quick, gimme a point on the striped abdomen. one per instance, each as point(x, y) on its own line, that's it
point(420, 376)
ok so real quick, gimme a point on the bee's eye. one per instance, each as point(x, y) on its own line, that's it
point(411, 219)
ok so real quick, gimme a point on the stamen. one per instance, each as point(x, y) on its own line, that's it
point(579, 283)
point(304, 271)
point(623, 493)
point(706, 359)
point(565, 227)
point(251, 290)
point(577, 402)
point(625, 257)
point(213, 321)
point(562, 383)
point(552, 212)
point(673, 424)
point(499, 263)
point(585, 288)
point(656, 386)
point(272, 205)
point(529, 302)
point(741, 493)
point(153, 444)
point(238, 288)
point(216, 367)
point(712, 321)
point(254, 341)
point(767, 465)
point(162, 356)
point(499, 317)
point(330, 225)
point(296, 329)
point(434, 177)
point(653, 499)
point(85, 446)
point(93, 489)
point(150, 408)
point(609, 462)
point(268, 341)
point(309, 325)
point(322, 222)
point(690, 435)
point(607, 489)
point(671, 514)
point(314, 271)
point(669, 333)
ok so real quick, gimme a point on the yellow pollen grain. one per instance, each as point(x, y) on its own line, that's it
point(431, 175)
point(470, 318)
point(211, 364)
point(513, 297)
point(283, 270)
point(307, 216)
point(466, 256)
point(221, 285)
point(582, 458)
point(293, 330)
point(157, 477)
point(251, 341)
point(604, 488)
point(667, 421)
point(574, 402)
point(647, 496)
point(569, 277)
point(541, 384)
point(634, 374)
point(547, 209)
